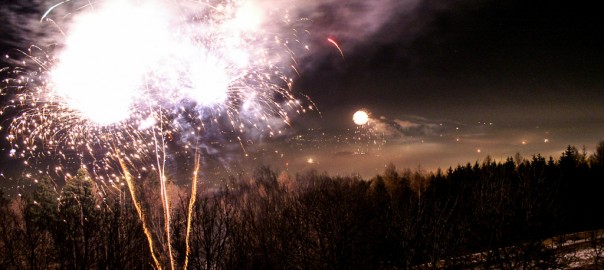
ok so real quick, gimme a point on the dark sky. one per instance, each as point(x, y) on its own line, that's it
point(445, 83)
point(531, 70)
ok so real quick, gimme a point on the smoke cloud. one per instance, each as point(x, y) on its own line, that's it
point(355, 22)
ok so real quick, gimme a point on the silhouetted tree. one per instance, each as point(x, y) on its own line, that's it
point(482, 215)
point(598, 156)
point(78, 218)
point(40, 222)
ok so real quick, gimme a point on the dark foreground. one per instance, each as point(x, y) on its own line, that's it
point(489, 215)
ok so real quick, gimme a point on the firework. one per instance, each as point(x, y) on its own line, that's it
point(131, 82)
point(127, 71)
point(360, 117)
point(330, 40)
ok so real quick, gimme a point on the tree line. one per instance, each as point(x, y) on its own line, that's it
point(482, 215)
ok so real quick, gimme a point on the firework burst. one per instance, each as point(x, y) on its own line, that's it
point(124, 72)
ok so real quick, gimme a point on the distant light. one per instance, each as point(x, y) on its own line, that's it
point(360, 117)
point(523, 142)
point(546, 140)
point(310, 161)
point(478, 150)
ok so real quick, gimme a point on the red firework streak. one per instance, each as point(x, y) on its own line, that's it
point(337, 46)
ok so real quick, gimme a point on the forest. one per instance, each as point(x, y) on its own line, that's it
point(510, 214)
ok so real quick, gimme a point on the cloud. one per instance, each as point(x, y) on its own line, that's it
point(405, 124)
point(355, 21)
point(406, 128)
point(22, 25)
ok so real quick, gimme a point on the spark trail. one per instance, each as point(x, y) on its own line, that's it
point(190, 208)
point(139, 210)
point(330, 40)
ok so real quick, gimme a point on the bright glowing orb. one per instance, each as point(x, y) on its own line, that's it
point(102, 67)
point(125, 53)
point(360, 118)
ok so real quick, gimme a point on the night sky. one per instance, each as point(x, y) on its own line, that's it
point(445, 83)
point(504, 77)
